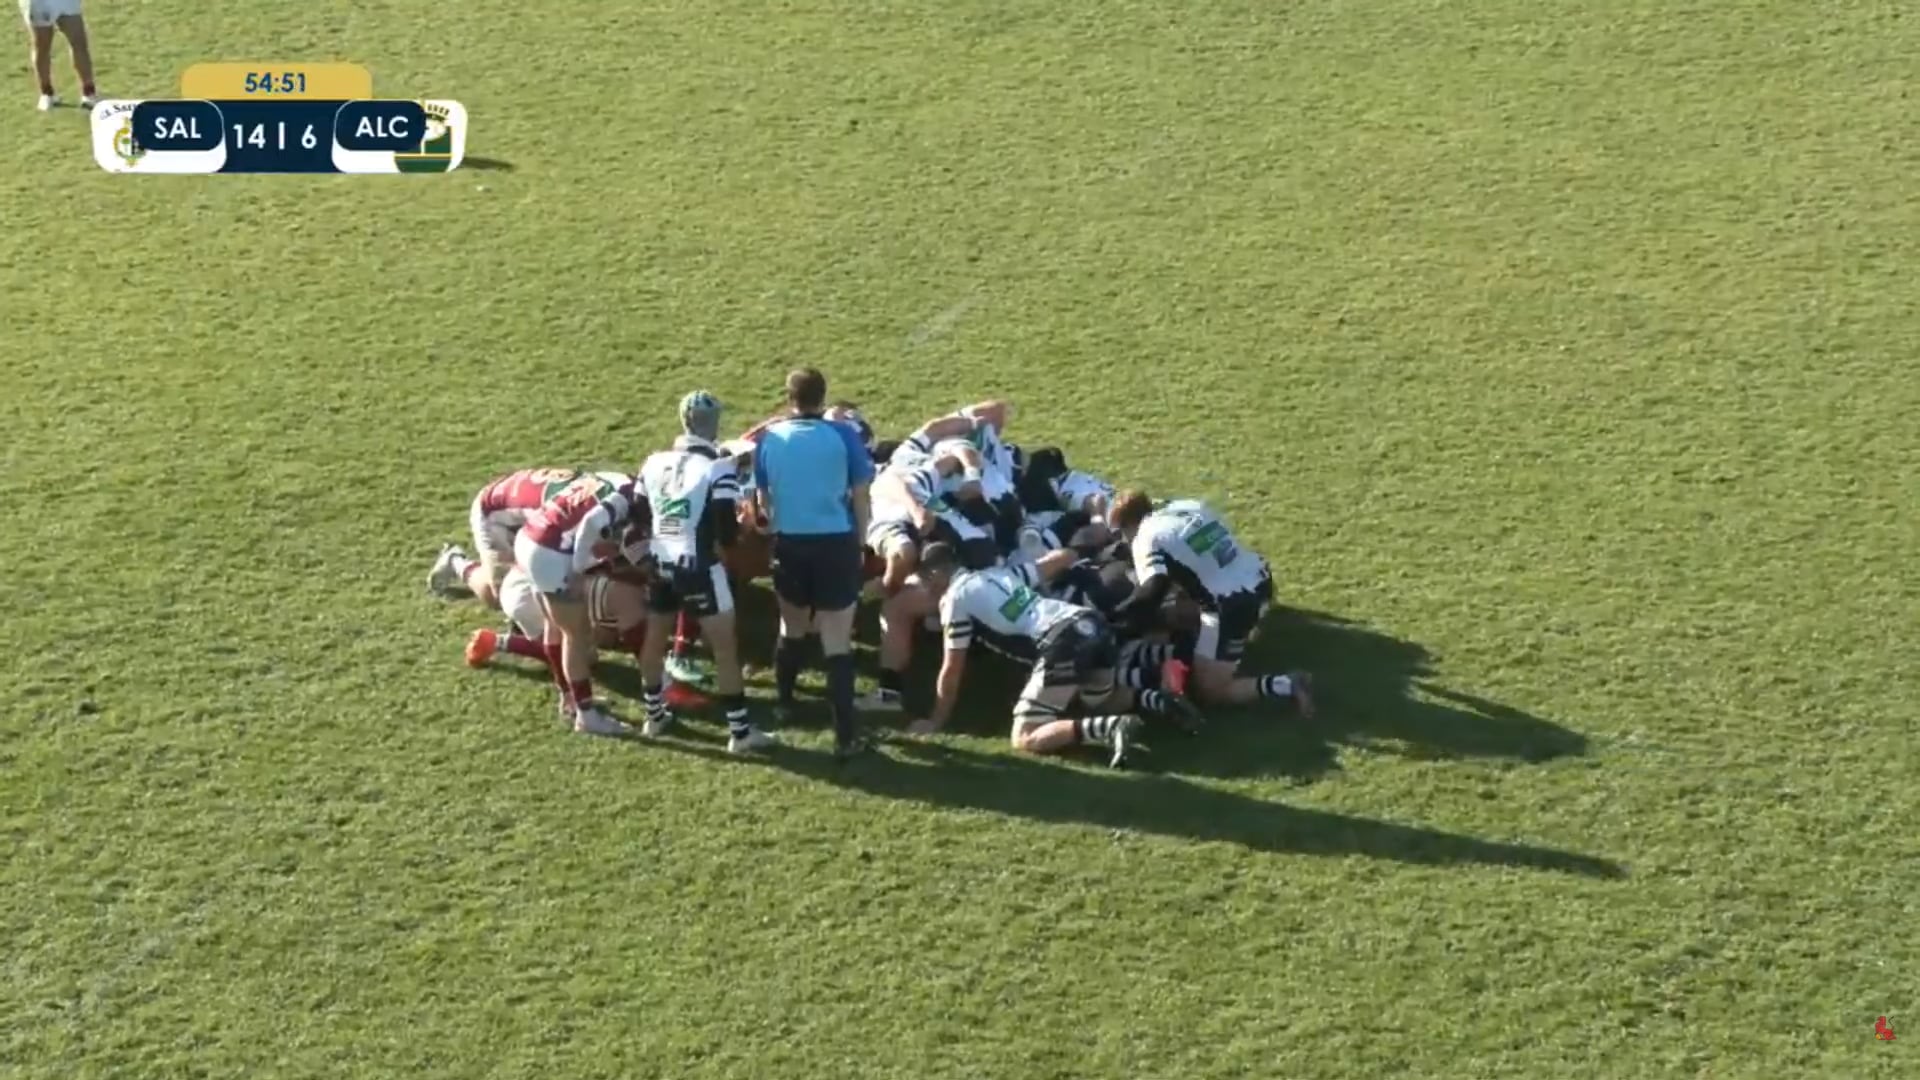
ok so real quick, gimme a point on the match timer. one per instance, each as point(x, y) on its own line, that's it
point(279, 118)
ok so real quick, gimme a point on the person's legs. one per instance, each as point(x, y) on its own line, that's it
point(1040, 726)
point(661, 610)
point(837, 595)
point(836, 648)
point(42, 59)
point(714, 607)
point(900, 616)
point(75, 29)
point(793, 588)
point(1217, 654)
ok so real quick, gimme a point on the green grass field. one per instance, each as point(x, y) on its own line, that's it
point(1561, 359)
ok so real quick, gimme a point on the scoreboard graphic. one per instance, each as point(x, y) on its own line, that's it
point(279, 118)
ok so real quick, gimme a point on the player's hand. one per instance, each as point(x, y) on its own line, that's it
point(923, 726)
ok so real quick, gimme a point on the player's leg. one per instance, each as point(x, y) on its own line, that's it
point(1217, 653)
point(74, 26)
point(663, 605)
point(902, 557)
point(899, 622)
point(40, 31)
point(899, 547)
point(1108, 693)
point(717, 625)
point(569, 637)
point(1040, 725)
point(682, 667)
point(1077, 660)
point(493, 544)
point(568, 611)
point(526, 628)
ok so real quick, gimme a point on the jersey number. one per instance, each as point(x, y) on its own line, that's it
point(1210, 538)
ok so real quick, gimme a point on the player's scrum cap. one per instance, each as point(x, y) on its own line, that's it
point(698, 403)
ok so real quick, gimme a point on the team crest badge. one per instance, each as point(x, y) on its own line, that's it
point(436, 153)
point(125, 145)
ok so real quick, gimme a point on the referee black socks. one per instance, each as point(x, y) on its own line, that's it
point(788, 657)
point(840, 694)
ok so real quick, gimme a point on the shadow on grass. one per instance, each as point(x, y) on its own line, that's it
point(946, 775)
point(1373, 692)
point(486, 164)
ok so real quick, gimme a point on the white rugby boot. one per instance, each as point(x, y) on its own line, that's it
point(442, 576)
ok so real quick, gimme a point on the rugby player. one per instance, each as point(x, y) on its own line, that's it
point(1187, 544)
point(690, 495)
point(913, 504)
point(571, 533)
point(981, 428)
point(496, 515)
point(1074, 653)
point(617, 606)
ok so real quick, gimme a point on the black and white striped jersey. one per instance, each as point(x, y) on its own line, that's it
point(1190, 542)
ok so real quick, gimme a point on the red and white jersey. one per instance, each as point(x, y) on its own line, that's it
point(511, 498)
point(588, 509)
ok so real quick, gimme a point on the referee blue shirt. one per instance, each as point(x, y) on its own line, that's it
point(808, 468)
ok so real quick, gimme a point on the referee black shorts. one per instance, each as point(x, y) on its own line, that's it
point(820, 572)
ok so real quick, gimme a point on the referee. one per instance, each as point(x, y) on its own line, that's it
point(810, 477)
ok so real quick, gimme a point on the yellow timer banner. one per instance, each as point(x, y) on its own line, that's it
point(268, 81)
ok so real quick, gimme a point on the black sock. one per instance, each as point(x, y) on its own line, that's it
point(737, 725)
point(787, 658)
point(893, 682)
point(656, 701)
point(840, 694)
point(1153, 701)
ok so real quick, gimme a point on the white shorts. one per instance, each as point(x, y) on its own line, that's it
point(47, 12)
point(492, 543)
point(549, 571)
point(521, 603)
point(886, 537)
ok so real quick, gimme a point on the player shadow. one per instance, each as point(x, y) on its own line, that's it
point(486, 164)
point(944, 774)
point(1374, 691)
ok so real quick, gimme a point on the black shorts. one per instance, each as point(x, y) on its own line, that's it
point(1228, 623)
point(1075, 648)
point(701, 593)
point(820, 573)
